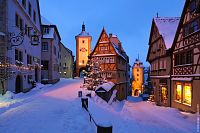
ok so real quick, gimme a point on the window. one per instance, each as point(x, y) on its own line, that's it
point(54, 50)
point(46, 30)
point(18, 55)
point(26, 29)
point(17, 20)
point(138, 75)
point(21, 24)
point(137, 70)
point(164, 64)
point(24, 3)
point(187, 94)
point(192, 27)
point(177, 59)
point(103, 48)
point(192, 6)
point(83, 41)
point(112, 60)
point(34, 16)
point(107, 60)
point(29, 8)
point(178, 92)
point(189, 57)
point(44, 47)
point(29, 59)
point(109, 75)
point(45, 65)
point(161, 64)
point(29, 32)
point(183, 58)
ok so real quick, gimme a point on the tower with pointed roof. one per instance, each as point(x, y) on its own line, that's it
point(83, 45)
point(138, 77)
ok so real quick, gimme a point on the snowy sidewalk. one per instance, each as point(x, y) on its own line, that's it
point(57, 110)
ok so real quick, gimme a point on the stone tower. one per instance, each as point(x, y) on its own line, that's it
point(138, 78)
point(83, 45)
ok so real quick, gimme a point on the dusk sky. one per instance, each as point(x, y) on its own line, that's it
point(130, 20)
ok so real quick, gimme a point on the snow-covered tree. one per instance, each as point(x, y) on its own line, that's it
point(92, 74)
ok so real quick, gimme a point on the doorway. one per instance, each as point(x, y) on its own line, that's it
point(18, 84)
point(36, 73)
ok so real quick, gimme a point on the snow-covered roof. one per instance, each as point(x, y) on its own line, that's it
point(106, 86)
point(84, 33)
point(45, 21)
point(167, 27)
point(138, 62)
point(117, 50)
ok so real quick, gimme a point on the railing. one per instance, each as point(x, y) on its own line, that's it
point(100, 129)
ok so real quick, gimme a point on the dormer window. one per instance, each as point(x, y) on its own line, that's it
point(46, 30)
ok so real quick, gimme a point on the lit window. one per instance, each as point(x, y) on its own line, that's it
point(187, 94)
point(179, 92)
point(164, 94)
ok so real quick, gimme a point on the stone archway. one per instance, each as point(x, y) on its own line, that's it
point(18, 84)
point(136, 92)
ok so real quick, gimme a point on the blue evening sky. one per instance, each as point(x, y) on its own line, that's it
point(130, 20)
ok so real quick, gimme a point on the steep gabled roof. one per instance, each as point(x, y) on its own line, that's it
point(112, 42)
point(167, 27)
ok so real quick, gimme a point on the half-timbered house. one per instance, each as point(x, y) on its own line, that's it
point(186, 59)
point(161, 38)
point(114, 62)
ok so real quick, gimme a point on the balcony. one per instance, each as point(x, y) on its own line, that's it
point(186, 69)
point(192, 38)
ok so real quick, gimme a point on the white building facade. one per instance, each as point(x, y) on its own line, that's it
point(51, 54)
point(21, 22)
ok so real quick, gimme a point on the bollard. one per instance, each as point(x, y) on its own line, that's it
point(79, 93)
point(104, 129)
point(84, 103)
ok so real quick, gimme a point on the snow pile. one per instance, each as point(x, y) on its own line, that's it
point(10, 98)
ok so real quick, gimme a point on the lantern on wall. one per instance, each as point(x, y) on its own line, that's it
point(35, 39)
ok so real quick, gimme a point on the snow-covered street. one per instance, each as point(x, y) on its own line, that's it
point(57, 109)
